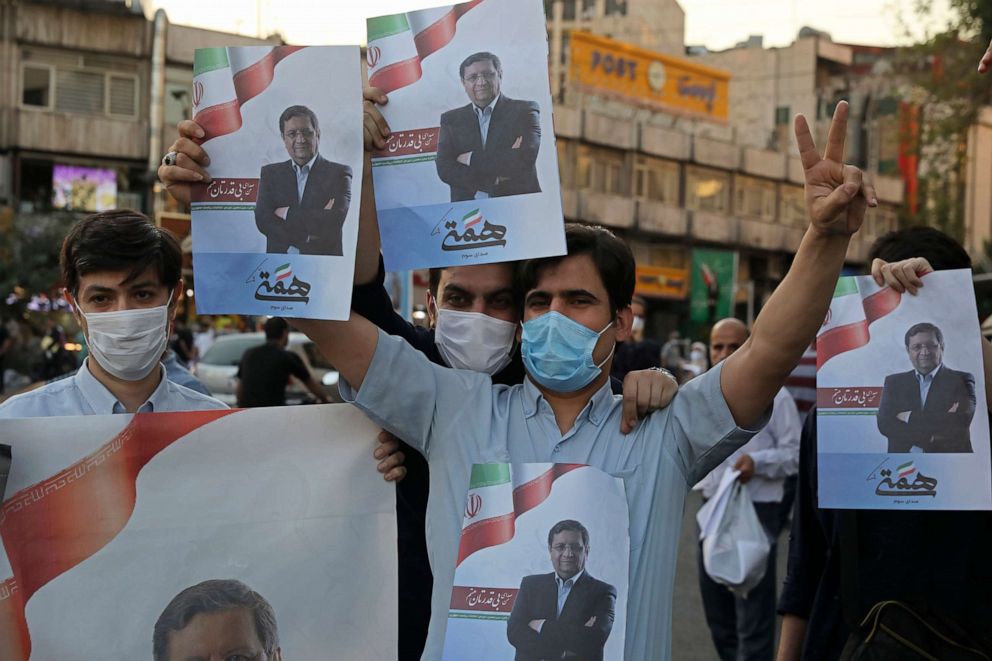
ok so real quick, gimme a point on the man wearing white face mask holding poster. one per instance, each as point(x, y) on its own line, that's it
point(122, 276)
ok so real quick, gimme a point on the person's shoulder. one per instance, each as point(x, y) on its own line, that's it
point(456, 113)
point(520, 104)
point(340, 168)
point(603, 585)
point(46, 400)
point(899, 376)
point(273, 168)
point(193, 400)
point(536, 579)
point(961, 374)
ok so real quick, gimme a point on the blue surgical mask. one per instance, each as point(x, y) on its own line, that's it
point(557, 352)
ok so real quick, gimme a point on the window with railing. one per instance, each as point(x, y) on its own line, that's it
point(792, 206)
point(77, 84)
point(707, 189)
point(754, 198)
point(601, 170)
point(656, 179)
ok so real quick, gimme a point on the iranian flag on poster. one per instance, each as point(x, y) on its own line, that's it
point(108, 519)
point(509, 511)
point(224, 79)
point(857, 303)
point(400, 42)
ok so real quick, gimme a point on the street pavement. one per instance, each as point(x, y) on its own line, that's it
point(690, 635)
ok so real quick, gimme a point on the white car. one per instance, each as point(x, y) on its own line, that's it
point(218, 367)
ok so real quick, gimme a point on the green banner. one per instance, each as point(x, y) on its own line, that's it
point(711, 295)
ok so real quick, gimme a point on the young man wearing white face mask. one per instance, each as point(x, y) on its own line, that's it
point(122, 276)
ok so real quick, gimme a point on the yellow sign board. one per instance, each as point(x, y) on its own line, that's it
point(661, 282)
point(604, 66)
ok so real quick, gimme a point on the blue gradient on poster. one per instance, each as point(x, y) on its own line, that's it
point(854, 480)
point(443, 234)
point(228, 283)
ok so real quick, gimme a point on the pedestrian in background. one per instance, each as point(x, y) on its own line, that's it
point(265, 370)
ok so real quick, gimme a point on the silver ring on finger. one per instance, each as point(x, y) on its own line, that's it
point(170, 158)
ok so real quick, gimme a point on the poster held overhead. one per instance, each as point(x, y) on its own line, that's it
point(275, 231)
point(900, 398)
point(469, 174)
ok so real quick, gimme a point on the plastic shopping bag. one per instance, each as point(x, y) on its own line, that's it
point(735, 544)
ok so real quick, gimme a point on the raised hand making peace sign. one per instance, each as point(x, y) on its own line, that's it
point(836, 194)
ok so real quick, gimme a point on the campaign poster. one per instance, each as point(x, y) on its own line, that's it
point(470, 172)
point(145, 536)
point(274, 233)
point(902, 421)
point(527, 527)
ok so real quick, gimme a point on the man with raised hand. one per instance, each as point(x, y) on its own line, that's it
point(473, 313)
point(575, 309)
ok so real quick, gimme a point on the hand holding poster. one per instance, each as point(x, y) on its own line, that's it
point(901, 415)
point(469, 174)
point(128, 533)
point(525, 525)
point(275, 231)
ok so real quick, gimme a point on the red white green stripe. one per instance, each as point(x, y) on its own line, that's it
point(857, 303)
point(497, 495)
point(224, 79)
point(471, 218)
point(906, 469)
point(397, 44)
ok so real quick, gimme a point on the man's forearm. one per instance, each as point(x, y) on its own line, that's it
point(786, 326)
point(367, 251)
point(790, 641)
point(348, 345)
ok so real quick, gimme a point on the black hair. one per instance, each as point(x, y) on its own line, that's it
point(481, 56)
point(612, 257)
point(210, 597)
point(119, 240)
point(298, 111)
point(924, 327)
point(940, 250)
point(275, 328)
point(569, 524)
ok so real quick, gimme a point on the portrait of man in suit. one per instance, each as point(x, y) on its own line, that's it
point(930, 407)
point(489, 147)
point(567, 613)
point(303, 202)
point(217, 619)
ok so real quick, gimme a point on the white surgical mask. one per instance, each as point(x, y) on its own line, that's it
point(638, 324)
point(474, 341)
point(129, 343)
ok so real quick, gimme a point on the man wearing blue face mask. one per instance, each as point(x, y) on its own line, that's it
point(122, 276)
point(575, 309)
point(474, 317)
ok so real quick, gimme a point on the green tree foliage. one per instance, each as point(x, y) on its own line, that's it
point(943, 72)
point(29, 254)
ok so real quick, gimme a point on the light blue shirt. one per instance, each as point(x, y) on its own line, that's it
point(565, 588)
point(82, 394)
point(458, 418)
point(925, 381)
point(302, 174)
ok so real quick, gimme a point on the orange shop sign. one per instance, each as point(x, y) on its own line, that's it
point(661, 282)
point(613, 68)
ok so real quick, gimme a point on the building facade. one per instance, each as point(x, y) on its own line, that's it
point(676, 179)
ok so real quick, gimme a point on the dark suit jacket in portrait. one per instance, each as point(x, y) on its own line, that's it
point(497, 168)
point(940, 426)
point(310, 227)
point(538, 600)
